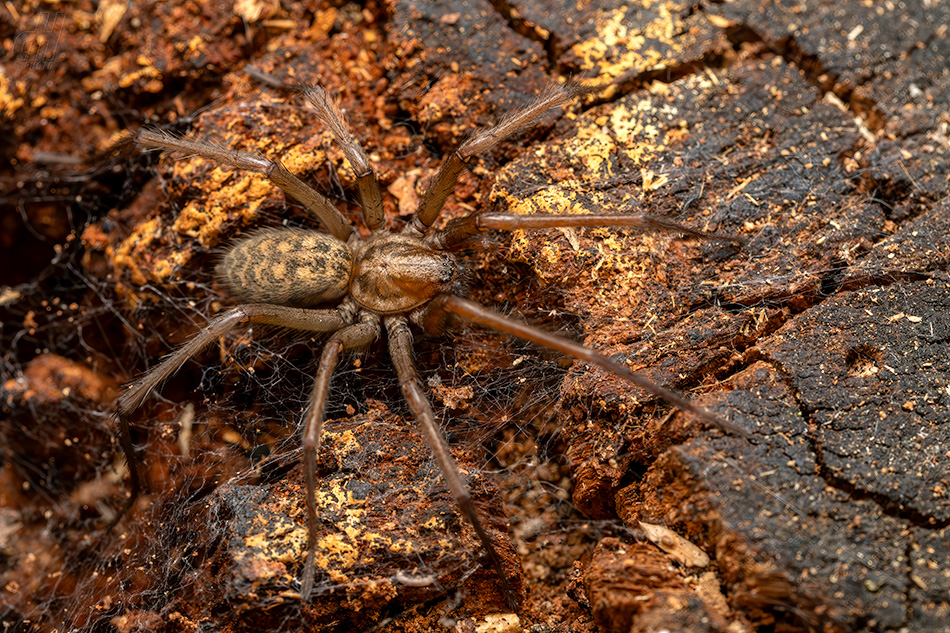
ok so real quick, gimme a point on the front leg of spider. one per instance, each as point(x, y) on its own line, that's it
point(282, 275)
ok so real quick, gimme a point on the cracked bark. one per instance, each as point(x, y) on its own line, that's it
point(806, 527)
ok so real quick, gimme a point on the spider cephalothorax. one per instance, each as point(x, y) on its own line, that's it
point(384, 281)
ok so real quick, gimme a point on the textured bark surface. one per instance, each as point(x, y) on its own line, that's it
point(816, 131)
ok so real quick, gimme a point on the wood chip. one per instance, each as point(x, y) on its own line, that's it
point(675, 545)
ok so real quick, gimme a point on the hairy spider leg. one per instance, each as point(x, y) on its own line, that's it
point(555, 96)
point(264, 313)
point(350, 337)
point(400, 350)
point(367, 186)
point(461, 229)
point(479, 314)
point(323, 209)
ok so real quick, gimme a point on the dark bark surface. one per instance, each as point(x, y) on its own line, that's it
point(816, 131)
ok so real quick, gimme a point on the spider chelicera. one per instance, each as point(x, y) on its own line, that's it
point(386, 281)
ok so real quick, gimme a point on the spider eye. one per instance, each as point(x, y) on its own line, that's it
point(448, 271)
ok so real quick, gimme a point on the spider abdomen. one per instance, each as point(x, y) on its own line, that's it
point(287, 266)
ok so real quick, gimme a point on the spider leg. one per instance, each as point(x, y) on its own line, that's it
point(457, 231)
point(135, 394)
point(556, 96)
point(481, 315)
point(366, 184)
point(351, 336)
point(135, 481)
point(281, 316)
point(400, 349)
point(317, 204)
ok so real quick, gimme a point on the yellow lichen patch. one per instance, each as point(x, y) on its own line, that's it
point(229, 193)
point(403, 545)
point(631, 136)
point(596, 146)
point(338, 498)
point(435, 523)
point(134, 256)
point(614, 34)
point(636, 132)
point(647, 37)
point(336, 550)
point(374, 538)
point(209, 220)
point(299, 158)
point(152, 255)
point(255, 542)
point(267, 555)
point(165, 269)
point(653, 181)
point(630, 129)
point(620, 272)
point(560, 198)
point(625, 122)
point(338, 576)
point(548, 259)
point(343, 442)
point(124, 259)
point(554, 199)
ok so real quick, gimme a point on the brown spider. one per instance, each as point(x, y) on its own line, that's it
point(385, 281)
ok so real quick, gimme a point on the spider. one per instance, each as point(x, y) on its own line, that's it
point(287, 276)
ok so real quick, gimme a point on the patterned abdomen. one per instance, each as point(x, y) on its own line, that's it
point(286, 266)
